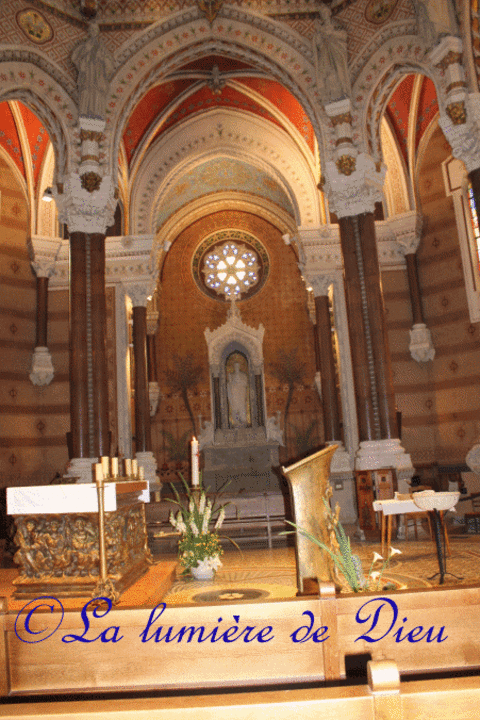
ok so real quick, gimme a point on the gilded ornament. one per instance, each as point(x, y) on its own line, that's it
point(210, 8)
point(457, 112)
point(91, 181)
point(342, 119)
point(346, 164)
point(92, 135)
point(378, 11)
point(34, 26)
point(451, 58)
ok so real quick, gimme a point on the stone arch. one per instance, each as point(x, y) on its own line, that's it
point(48, 99)
point(167, 46)
point(398, 57)
point(216, 133)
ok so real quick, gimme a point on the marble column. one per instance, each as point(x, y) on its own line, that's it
point(42, 371)
point(152, 327)
point(140, 295)
point(421, 345)
point(90, 436)
point(353, 183)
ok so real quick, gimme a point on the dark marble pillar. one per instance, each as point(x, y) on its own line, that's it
point(143, 436)
point(323, 335)
point(368, 336)
point(88, 371)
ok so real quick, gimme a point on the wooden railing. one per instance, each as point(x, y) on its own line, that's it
point(227, 646)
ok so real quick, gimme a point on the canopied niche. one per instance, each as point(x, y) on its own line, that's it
point(240, 445)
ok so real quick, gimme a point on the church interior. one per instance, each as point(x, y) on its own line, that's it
point(250, 226)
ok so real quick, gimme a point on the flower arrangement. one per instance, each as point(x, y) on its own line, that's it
point(199, 547)
point(348, 563)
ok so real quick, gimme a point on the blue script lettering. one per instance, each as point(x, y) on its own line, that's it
point(199, 634)
point(316, 636)
point(23, 623)
point(415, 635)
point(97, 613)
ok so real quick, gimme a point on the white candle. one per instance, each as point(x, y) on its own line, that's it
point(195, 474)
point(105, 465)
point(128, 467)
point(134, 467)
point(98, 471)
point(114, 467)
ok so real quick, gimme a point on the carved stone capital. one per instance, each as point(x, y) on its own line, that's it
point(408, 231)
point(87, 206)
point(421, 345)
point(82, 469)
point(319, 283)
point(353, 189)
point(41, 372)
point(153, 396)
point(140, 292)
point(44, 253)
point(464, 137)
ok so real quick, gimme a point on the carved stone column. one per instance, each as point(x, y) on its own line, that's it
point(353, 182)
point(421, 346)
point(86, 202)
point(152, 327)
point(42, 372)
point(139, 295)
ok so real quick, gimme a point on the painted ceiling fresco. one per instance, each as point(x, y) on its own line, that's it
point(14, 126)
point(222, 174)
point(401, 106)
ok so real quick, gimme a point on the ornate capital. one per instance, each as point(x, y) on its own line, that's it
point(140, 292)
point(354, 188)
point(44, 253)
point(408, 231)
point(41, 372)
point(421, 345)
point(89, 210)
point(319, 283)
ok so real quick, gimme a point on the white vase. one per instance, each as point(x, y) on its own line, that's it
point(201, 573)
point(206, 568)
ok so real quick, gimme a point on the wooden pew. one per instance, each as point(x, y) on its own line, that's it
point(120, 656)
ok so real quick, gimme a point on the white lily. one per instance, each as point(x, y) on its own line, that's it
point(394, 551)
point(375, 575)
point(376, 557)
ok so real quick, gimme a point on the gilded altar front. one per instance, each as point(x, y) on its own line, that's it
point(58, 553)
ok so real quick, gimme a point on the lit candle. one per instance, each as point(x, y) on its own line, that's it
point(114, 467)
point(195, 476)
point(105, 465)
point(134, 467)
point(98, 471)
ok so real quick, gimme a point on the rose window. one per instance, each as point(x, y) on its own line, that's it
point(231, 269)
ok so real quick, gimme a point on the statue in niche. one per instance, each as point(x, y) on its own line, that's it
point(330, 51)
point(238, 392)
point(95, 65)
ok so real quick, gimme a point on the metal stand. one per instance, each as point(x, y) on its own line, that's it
point(437, 526)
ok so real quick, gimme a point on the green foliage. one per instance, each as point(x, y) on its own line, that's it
point(184, 377)
point(177, 449)
point(289, 371)
point(303, 438)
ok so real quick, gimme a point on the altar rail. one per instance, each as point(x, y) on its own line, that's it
point(130, 664)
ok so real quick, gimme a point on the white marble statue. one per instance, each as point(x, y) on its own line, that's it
point(95, 65)
point(237, 393)
point(330, 50)
point(435, 19)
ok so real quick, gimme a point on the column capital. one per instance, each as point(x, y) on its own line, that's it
point(87, 203)
point(407, 229)
point(44, 253)
point(319, 283)
point(141, 291)
point(354, 183)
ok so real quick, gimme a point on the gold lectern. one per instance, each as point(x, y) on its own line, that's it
point(308, 482)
